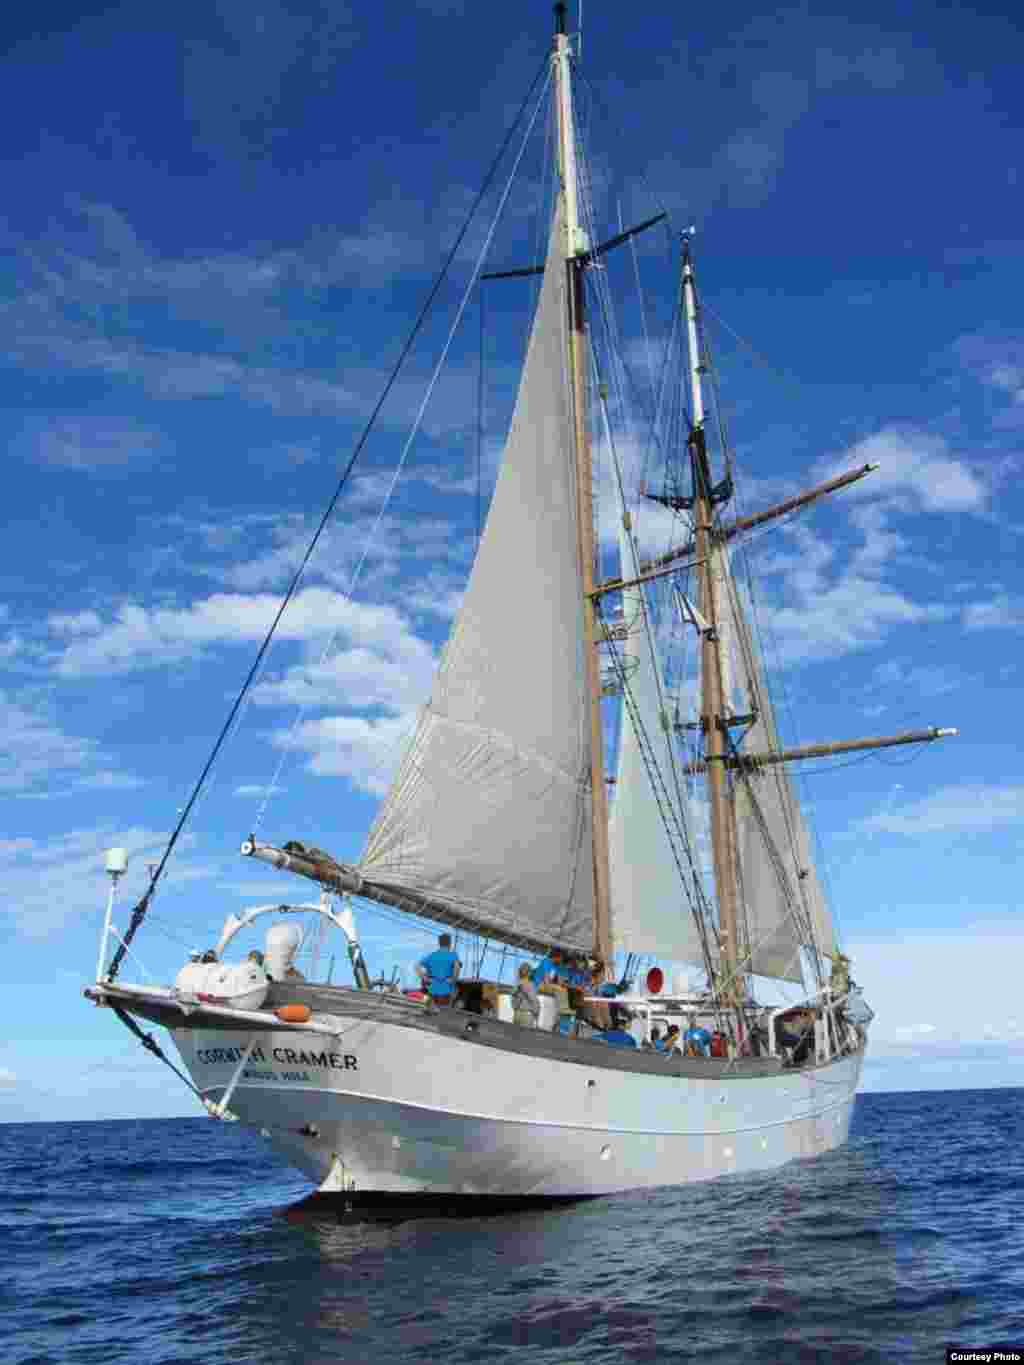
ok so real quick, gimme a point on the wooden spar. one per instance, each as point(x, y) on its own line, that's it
point(712, 705)
point(618, 584)
point(344, 879)
point(792, 504)
point(840, 746)
point(575, 253)
point(736, 528)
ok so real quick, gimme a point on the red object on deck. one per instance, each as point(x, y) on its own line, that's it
point(293, 1014)
point(655, 981)
point(718, 1045)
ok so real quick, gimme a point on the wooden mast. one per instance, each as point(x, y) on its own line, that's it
point(576, 256)
point(713, 701)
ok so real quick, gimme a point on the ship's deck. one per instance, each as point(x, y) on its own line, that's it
point(331, 1004)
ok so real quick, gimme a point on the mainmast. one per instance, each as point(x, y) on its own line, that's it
point(576, 250)
point(713, 709)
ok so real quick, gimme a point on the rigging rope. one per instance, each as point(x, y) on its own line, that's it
point(795, 893)
point(139, 911)
point(669, 813)
point(151, 1045)
point(328, 649)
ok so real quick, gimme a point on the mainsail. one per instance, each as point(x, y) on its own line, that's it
point(488, 821)
point(650, 910)
point(783, 898)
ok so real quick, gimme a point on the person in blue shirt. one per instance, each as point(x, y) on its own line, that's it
point(549, 968)
point(578, 976)
point(697, 1040)
point(439, 971)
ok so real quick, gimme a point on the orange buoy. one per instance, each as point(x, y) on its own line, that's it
point(293, 1014)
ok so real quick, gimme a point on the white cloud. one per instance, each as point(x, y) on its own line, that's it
point(963, 808)
point(390, 673)
point(7, 1077)
point(754, 158)
point(999, 612)
point(49, 882)
point(142, 637)
point(884, 67)
point(915, 464)
point(833, 609)
point(365, 751)
point(900, 678)
point(105, 780)
point(974, 970)
point(995, 361)
point(36, 752)
point(77, 623)
point(92, 444)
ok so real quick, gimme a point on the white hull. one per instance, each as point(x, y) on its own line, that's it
point(382, 1108)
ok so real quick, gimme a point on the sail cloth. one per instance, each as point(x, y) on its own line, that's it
point(785, 904)
point(650, 909)
point(488, 821)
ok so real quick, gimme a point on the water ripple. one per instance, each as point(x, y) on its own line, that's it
point(163, 1243)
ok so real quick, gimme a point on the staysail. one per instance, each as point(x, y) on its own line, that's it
point(784, 901)
point(488, 822)
point(650, 909)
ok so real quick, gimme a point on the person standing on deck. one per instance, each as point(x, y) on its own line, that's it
point(697, 1040)
point(549, 968)
point(525, 1004)
point(439, 971)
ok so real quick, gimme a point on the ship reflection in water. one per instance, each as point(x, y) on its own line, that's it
point(382, 1207)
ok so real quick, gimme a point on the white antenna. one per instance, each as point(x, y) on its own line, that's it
point(116, 865)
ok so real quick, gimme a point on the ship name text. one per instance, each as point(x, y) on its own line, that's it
point(284, 1056)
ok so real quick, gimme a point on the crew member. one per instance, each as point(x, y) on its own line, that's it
point(525, 1004)
point(697, 1040)
point(549, 968)
point(439, 971)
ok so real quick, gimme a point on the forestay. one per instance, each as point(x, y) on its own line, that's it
point(784, 901)
point(489, 819)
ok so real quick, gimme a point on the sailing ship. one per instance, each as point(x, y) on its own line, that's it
point(498, 824)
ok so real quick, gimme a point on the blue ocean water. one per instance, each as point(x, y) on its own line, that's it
point(180, 1241)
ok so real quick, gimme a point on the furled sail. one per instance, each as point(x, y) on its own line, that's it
point(488, 821)
point(785, 904)
point(650, 909)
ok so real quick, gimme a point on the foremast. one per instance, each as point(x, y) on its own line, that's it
point(577, 256)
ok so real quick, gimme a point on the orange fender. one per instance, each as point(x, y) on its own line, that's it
point(293, 1014)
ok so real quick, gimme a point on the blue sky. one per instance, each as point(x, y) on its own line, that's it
point(219, 222)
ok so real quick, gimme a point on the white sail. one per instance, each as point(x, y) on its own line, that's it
point(489, 819)
point(785, 904)
point(650, 910)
